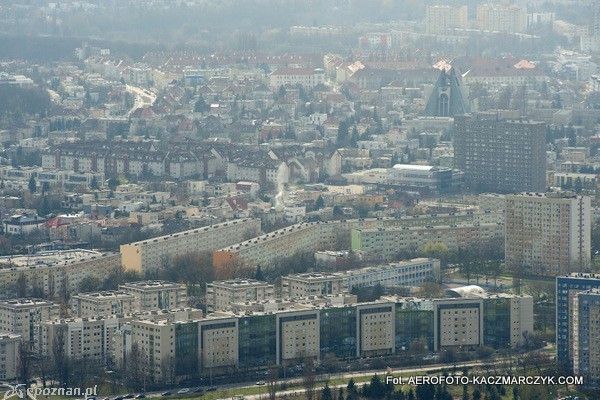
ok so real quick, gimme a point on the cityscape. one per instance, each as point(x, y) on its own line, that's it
point(300, 199)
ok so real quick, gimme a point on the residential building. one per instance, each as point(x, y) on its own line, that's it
point(504, 156)
point(585, 346)
point(53, 272)
point(548, 233)
point(567, 288)
point(308, 78)
point(80, 337)
point(444, 18)
point(23, 317)
point(310, 237)
point(385, 243)
point(156, 295)
point(9, 356)
point(23, 224)
point(151, 254)
point(506, 17)
point(221, 294)
point(312, 284)
point(101, 304)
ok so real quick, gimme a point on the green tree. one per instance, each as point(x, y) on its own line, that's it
point(32, 184)
point(342, 134)
point(259, 276)
point(319, 203)
point(326, 393)
point(113, 183)
point(94, 183)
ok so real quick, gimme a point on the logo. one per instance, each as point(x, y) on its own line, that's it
point(17, 390)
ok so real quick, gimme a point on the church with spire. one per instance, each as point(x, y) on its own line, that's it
point(449, 96)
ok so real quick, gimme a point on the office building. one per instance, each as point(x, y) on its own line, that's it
point(156, 295)
point(9, 356)
point(442, 18)
point(457, 323)
point(508, 18)
point(154, 253)
point(567, 288)
point(221, 294)
point(407, 273)
point(548, 233)
point(24, 316)
point(99, 304)
point(500, 155)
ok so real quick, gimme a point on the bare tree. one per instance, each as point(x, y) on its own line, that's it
point(24, 363)
point(167, 369)
point(135, 368)
point(309, 378)
point(60, 359)
point(273, 382)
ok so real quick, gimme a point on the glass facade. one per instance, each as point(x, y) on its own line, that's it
point(338, 332)
point(496, 322)
point(186, 348)
point(257, 340)
point(414, 321)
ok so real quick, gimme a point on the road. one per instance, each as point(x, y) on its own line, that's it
point(264, 392)
point(142, 98)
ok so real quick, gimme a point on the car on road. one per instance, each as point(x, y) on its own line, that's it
point(140, 396)
point(260, 383)
point(164, 394)
point(183, 391)
point(199, 390)
point(129, 396)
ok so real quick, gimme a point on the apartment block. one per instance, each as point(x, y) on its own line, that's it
point(53, 271)
point(310, 237)
point(221, 294)
point(307, 77)
point(500, 155)
point(9, 356)
point(548, 233)
point(24, 316)
point(156, 295)
point(442, 18)
point(567, 288)
point(98, 304)
point(81, 337)
point(386, 243)
point(312, 284)
point(508, 18)
point(585, 346)
point(153, 253)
